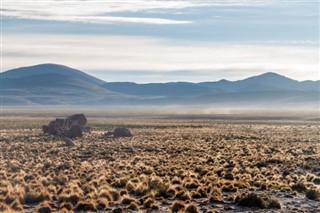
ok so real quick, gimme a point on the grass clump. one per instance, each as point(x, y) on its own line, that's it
point(133, 206)
point(33, 197)
point(313, 194)
point(191, 208)
point(258, 201)
point(178, 206)
point(102, 203)
point(215, 195)
point(86, 206)
point(299, 187)
point(128, 200)
point(44, 207)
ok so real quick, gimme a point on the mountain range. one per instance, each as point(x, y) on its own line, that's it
point(52, 84)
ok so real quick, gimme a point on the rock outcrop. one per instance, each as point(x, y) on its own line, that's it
point(71, 127)
point(119, 132)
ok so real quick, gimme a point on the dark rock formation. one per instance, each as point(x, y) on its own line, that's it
point(121, 132)
point(74, 132)
point(118, 133)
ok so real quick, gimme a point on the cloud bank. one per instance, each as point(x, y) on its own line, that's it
point(92, 11)
point(100, 12)
point(202, 61)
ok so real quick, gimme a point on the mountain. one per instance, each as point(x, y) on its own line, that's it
point(52, 84)
point(177, 89)
point(267, 81)
point(51, 69)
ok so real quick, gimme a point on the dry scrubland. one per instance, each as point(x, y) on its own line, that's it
point(168, 166)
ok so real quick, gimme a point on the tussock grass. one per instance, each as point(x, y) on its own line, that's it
point(176, 167)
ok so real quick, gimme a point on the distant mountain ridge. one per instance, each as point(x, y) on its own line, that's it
point(53, 84)
point(50, 68)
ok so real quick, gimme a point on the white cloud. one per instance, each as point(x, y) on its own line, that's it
point(95, 19)
point(94, 11)
point(211, 60)
point(91, 11)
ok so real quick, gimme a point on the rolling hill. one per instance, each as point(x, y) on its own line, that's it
point(52, 84)
point(51, 69)
point(56, 85)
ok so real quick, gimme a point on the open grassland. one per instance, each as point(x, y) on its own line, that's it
point(168, 166)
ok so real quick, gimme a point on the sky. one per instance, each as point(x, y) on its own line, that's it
point(164, 40)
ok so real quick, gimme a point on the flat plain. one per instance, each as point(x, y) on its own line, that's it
point(171, 164)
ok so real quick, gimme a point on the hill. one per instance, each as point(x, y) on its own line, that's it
point(52, 84)
point(51, 69)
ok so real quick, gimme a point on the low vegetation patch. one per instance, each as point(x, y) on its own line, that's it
point(259, 201)
point(176, 165)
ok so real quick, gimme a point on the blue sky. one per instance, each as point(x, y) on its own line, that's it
point(160, 40)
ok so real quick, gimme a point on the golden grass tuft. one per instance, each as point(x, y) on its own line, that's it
point(177, 161)
point(178, 206)
point(87, 205)
point(44, 207)
point(102, 203)
point(215, 195)
point(191, 208)
point(127, 200)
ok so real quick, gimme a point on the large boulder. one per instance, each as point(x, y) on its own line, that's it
point(72, 127)
point(121, 132)
point(76, 120)
point(74, 132)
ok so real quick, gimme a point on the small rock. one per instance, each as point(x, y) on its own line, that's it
point(109, 134)
point(46, 129)
point(121, 132)
point(69, 142)
point(228, 208)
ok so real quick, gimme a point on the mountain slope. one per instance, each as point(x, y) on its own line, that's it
point(55, 86)
point(176, 89)
point(51, 84)
point(51, 69)
point(265, 82)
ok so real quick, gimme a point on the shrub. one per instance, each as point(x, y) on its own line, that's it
point(67, 206)
point(44, 208)
point(252, 200)
point(102, 203)
point(35, 197)
point(105, 194)
point(117, 210)
point(178, 206)
point(191, 208)
point(115, 194)
point(259, 201)
point(148, 203)
point(299, 187)
point(313, 194)
point(216, 195)
point(141, 189)
point(162, 191)
point(72, 198)
point(133, 206)
point(128, 200)
point(86, 206)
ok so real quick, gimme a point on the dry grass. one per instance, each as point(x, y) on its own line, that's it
point(171, 166)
